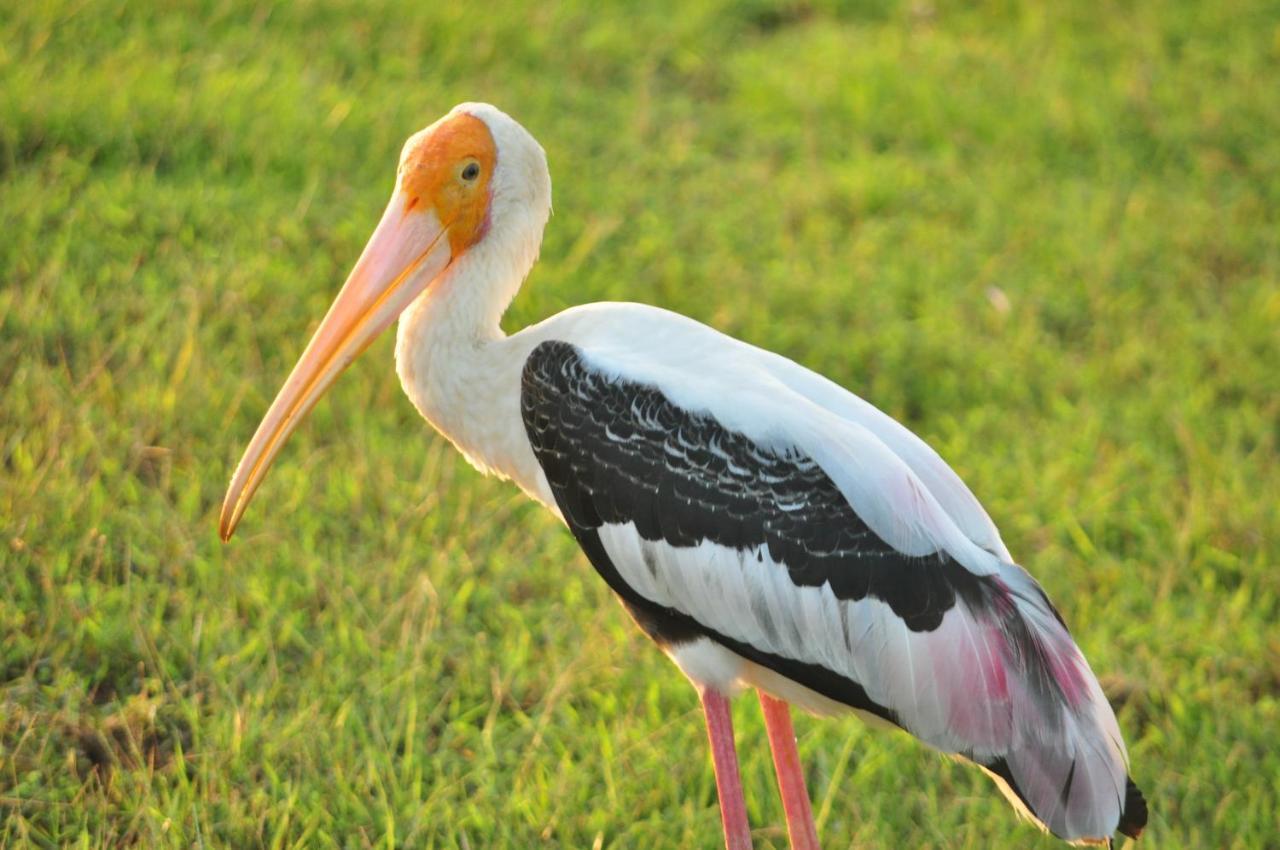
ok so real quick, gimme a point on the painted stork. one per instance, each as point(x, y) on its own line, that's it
point(765, 527)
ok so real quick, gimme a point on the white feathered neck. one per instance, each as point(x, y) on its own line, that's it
point(454, 362)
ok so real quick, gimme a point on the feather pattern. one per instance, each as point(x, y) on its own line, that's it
point(765, 544)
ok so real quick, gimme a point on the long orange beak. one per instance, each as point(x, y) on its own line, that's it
point(404, 255)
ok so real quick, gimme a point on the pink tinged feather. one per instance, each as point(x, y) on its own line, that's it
point(979, 697)
point(1066, 672)
point(992, 666)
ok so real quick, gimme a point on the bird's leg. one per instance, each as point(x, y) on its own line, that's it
point(786, 761)
point(733, 808)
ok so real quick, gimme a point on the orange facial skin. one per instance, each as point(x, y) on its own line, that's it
point(450, 170)
point(443, 194)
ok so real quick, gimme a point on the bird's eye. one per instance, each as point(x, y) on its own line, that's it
point(471, 172)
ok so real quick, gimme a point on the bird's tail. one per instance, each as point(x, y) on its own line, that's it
point(1132, 818)
point(1067, 768)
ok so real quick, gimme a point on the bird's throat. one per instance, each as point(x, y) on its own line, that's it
point(463, 373)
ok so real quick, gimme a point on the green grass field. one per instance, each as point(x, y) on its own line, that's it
point(1048, 241)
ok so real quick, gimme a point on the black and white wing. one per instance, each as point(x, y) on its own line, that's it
point(804, 545)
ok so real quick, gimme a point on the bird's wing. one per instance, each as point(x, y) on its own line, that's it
point(799, 540)
point(951, 493)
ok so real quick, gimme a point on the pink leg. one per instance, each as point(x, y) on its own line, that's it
point(786, 761)
point(733, 808)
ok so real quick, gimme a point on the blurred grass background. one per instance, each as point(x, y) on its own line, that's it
point(1045, 239)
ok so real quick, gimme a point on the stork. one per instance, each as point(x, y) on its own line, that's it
point(765, 527)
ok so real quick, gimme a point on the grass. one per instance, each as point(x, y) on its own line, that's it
point(1046, 239)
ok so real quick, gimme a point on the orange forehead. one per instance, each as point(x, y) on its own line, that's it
point(431, 177)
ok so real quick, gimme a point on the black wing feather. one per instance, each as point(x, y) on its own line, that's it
point(618, 451)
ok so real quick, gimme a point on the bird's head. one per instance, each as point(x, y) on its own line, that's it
point(473, 182)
